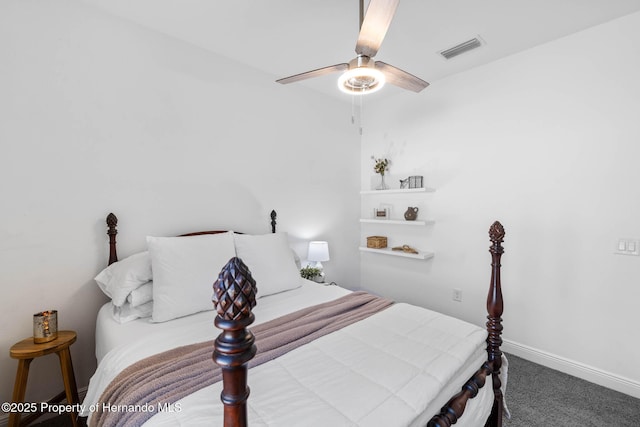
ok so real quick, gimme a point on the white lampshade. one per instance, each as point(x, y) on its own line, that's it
point(318, 252)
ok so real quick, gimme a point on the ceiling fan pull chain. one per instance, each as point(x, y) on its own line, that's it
point(353, 113)
point(353, 110)
point(361, 115)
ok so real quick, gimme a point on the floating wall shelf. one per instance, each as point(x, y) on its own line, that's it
point(399, 191)
point(389, 251)
point(411, 193)
point(395, 221)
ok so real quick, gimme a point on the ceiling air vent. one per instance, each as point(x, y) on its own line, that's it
point(461, 48)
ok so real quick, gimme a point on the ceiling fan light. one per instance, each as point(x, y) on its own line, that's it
point(361, 81)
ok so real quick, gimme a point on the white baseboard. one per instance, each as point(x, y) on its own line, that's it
point(571, 367)
point(4, 418)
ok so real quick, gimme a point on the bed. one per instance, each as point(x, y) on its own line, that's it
point(396, 365)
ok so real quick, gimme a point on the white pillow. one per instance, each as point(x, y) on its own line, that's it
point(184, 270)
point(127, 312)
point(122, 277)
point(270, 261)
point(296, 259)
point(141, 295)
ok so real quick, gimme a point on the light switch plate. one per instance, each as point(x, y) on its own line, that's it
point(628, 247)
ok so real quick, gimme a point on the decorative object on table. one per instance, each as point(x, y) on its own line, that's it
point(318, 252)
point(411, 214)
point(382, 213)
point(377, 242)
point(45, 326)
point(381, 166)
point(415, 181)
point(405, 248)
point(404, 183)
point(312, 273)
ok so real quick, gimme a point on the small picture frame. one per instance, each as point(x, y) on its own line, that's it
point(380, 213)
point(415, 181)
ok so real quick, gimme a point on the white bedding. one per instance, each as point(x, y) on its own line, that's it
point(399, 368)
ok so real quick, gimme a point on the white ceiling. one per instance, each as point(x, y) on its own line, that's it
point(285, 37)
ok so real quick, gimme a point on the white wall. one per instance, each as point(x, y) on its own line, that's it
point(547, 141)
point(99, 115)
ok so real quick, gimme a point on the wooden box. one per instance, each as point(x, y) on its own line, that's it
point(376, 242)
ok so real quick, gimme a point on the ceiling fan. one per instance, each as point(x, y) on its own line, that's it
point(362, 74)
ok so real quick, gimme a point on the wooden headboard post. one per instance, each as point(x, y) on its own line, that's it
point(112, 223)
point(234, 295)
point(494, 323)
point(273, 221)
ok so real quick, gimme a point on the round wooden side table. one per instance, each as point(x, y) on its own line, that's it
point(25, 351)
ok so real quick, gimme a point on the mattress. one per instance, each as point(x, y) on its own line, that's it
point(396, 368)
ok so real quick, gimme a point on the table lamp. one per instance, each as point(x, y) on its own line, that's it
point(318, 252)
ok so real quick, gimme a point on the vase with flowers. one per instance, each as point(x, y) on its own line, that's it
point(381, 165)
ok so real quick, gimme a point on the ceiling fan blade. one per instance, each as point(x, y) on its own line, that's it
point(375, 25)
point(400, 78)
point(313, 73)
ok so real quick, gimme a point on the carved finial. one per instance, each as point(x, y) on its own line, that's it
point(112, 230)
point(273, 221)
point(112, 222)
point(234, 292)
point(234, 296)
point(496, 232)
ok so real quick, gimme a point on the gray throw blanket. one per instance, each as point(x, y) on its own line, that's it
point(156, 382)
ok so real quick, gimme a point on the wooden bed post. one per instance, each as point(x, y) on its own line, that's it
point(455, 407)
point(234, 297)
point(112, 223)
point(494, 323)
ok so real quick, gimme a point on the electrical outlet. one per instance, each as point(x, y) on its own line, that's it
point(457, 295)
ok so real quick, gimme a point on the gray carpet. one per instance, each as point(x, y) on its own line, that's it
point(539, 396)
